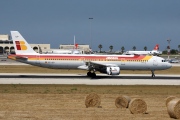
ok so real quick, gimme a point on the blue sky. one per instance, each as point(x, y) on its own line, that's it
point(119, 23)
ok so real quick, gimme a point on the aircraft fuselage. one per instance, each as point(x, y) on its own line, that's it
point(125, 62)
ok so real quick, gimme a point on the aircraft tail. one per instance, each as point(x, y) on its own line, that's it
point(20, 44)
point(156, 47)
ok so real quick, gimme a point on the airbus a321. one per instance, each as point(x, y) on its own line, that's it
point(107, 64)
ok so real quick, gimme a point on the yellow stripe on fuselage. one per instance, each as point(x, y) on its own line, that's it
point(147, 57)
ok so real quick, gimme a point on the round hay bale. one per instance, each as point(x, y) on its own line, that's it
point(137, 106)
point(168, 99)
point(173, 108)
point(122, 101)
point(92, 100)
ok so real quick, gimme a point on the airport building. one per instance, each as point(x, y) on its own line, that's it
point(6, 45)
point(85, 49)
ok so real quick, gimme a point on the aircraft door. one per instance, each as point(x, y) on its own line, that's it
point(122, 61)
point(155, 63)
point(38, 60)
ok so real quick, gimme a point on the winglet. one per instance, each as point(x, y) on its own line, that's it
point(20, 44)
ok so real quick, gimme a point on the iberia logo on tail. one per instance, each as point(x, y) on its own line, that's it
point(20, 45)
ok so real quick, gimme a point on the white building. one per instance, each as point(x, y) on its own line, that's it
point(6, 45)
point(83, 48)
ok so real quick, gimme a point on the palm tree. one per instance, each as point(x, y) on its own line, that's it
point(145, 48)
point(134, 48)
point(99, 46)
point(122, 49)
point(110, 47)
point(179, 47)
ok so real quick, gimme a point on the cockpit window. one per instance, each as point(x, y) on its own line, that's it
point(163, 61)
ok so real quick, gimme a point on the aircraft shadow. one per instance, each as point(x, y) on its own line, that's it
point(85, 77)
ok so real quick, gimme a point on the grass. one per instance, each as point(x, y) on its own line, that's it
point(85, 89)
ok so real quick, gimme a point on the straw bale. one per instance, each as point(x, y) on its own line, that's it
point(137, 106)
point(168, 99)
point(173, 108)
point(92, 100)
point(122, 101)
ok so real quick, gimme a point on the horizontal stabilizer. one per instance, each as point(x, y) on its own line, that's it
point(21, 58)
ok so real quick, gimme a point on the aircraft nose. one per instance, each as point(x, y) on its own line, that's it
point(169, 65)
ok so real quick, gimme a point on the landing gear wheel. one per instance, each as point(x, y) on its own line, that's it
point(89, 74)
point(93, 75)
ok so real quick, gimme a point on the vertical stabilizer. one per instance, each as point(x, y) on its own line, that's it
point(74, 42)
point(156, 47)
point(20, 44)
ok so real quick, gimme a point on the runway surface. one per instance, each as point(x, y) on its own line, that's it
point(101, 79)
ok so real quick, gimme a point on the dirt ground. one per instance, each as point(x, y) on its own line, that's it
point(67, 102)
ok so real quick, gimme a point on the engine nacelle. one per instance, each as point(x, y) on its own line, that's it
point(113, 70)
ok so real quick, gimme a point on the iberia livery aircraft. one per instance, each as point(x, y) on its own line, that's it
point(108, 64)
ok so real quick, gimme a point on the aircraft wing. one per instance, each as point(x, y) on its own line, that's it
point(98, 66)
point(95, 65)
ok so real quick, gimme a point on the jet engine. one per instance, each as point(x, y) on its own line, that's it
point(110, 70)
point(113, 70)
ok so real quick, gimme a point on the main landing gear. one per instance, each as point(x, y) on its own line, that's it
point(153, 75)
point(91, 74)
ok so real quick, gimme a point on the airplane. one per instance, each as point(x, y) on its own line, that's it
point(155, 51)
point(107, 64)
point(75, 50)
point(63, 51)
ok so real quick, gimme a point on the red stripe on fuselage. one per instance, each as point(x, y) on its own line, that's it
point(135, 57)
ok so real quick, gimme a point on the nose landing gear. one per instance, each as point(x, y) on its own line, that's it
point(153, 75)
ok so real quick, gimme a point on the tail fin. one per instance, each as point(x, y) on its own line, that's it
point(156, 47)
point(75, 44)
point(20, 44)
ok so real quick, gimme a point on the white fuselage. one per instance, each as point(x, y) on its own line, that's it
point(153, 52)
point(125, 62)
